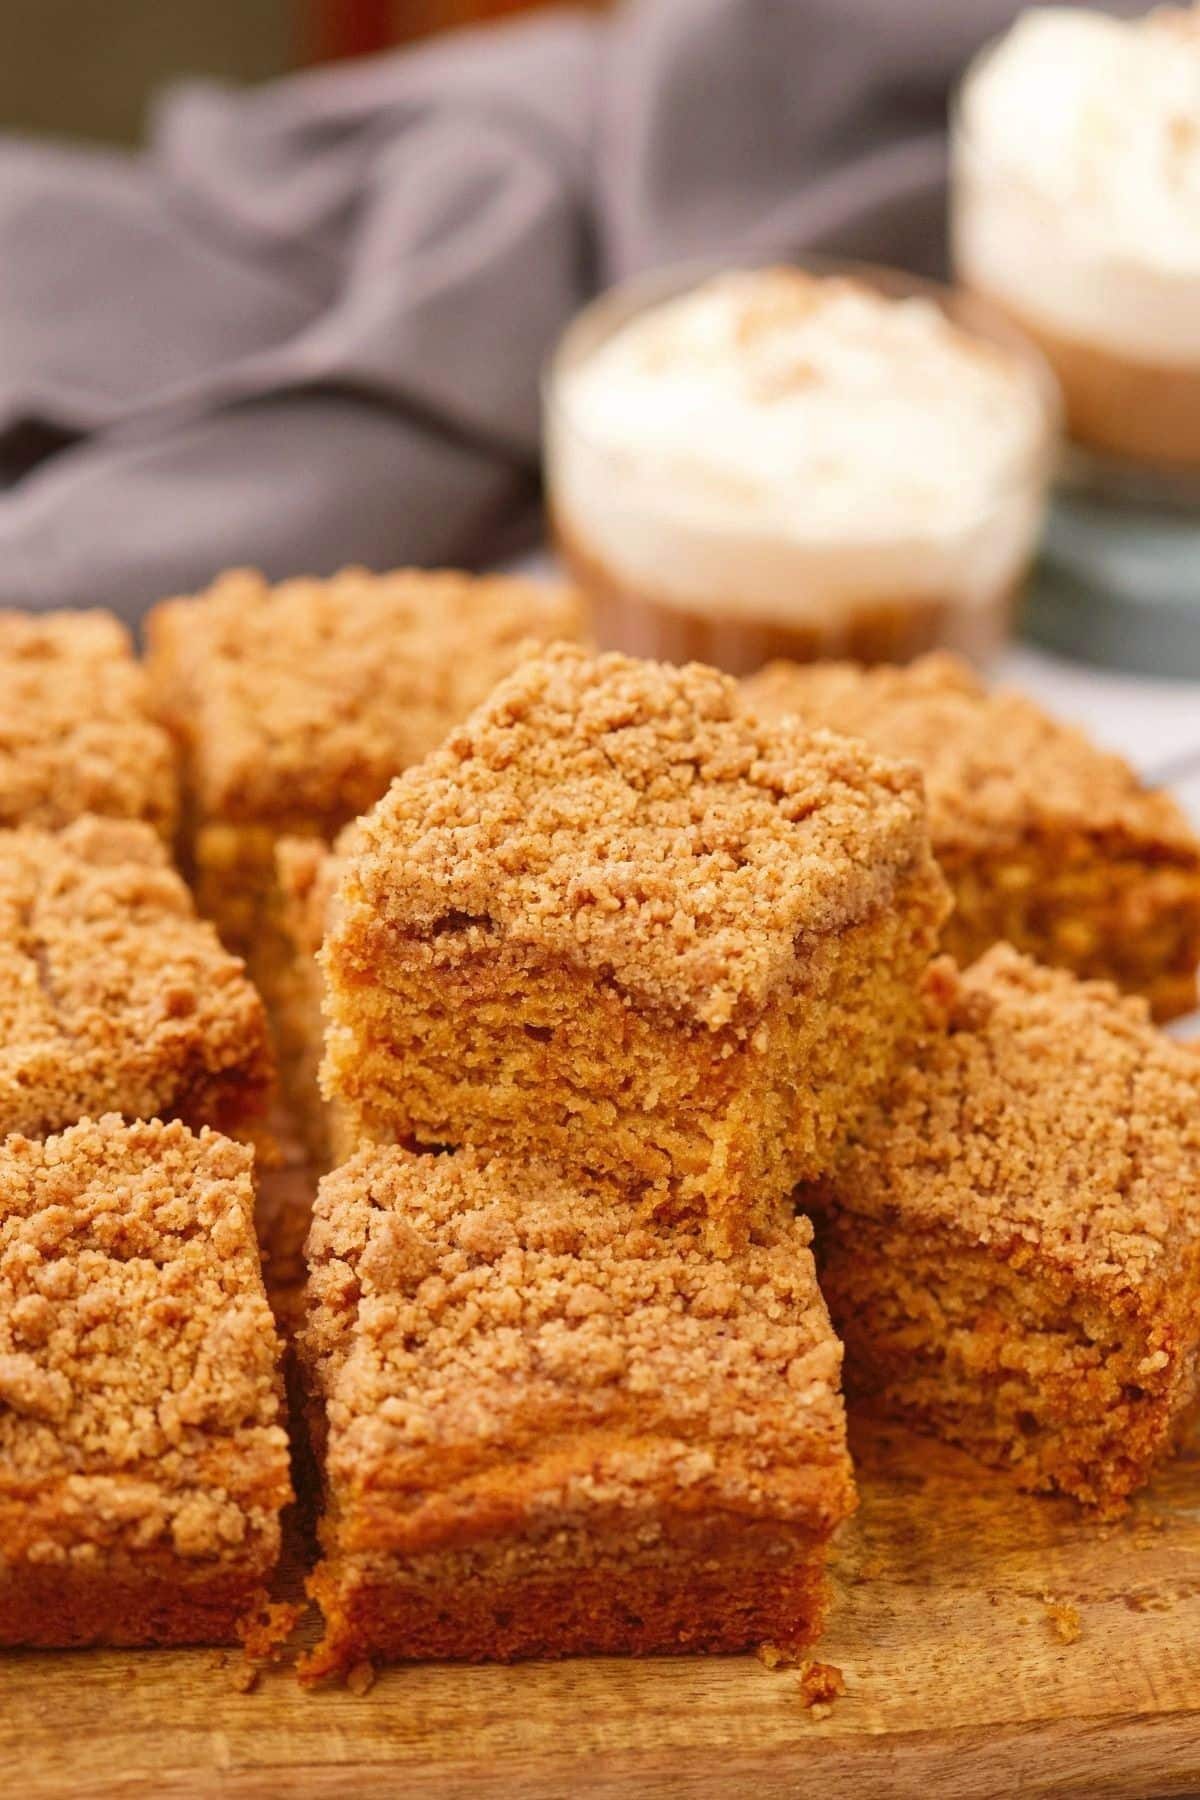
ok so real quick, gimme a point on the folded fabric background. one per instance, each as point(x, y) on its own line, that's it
point(305, 327)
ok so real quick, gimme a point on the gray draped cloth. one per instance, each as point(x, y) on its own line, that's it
point(305, 326)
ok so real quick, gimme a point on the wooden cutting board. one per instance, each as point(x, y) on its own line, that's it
point(953, 1597)
point(957, 1682)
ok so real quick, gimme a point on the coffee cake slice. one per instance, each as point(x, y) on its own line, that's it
point(618, 922)
point(143, 1456)
point(295, 705)
point(548, 1430)
point(1047, 841)
point(1011, 1249)
point(76, 732)
point(114, 996)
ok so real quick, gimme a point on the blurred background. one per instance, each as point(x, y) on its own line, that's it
point(122, 51)
point(307, 324)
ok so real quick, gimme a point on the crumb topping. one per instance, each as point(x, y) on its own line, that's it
point(486, 1313)
point(75, 730)
point(996, 766)
point(139, 1393)
point(113, 995)
point(632, 817)
point(305, 699)
point(1048, 1113)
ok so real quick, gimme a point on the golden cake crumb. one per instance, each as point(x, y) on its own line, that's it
point(76, 734)
point(307, 873)
point(1063, 1619)
point(1047, 841)
point(820, 1684)
point(265, 1632)
point(113, 995)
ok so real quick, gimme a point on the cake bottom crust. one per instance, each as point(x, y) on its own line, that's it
point(52, 1608)
point(668, 1609)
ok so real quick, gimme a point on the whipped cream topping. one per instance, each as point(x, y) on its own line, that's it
point(771, 411)
point(1078, 174)
point(816, 405)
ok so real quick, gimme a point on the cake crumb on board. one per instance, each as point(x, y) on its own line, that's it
point(265, 1633)
point(1063, 1619)
point(820, 1685)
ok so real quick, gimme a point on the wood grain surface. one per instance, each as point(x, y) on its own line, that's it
point(957, 1680)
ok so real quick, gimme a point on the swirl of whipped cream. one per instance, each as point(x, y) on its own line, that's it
point(1077, 177)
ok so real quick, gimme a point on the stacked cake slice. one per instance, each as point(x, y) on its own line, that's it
point(616, 921)
point(635, 964)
